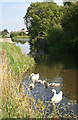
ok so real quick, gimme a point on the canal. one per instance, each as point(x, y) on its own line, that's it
point(54, 68)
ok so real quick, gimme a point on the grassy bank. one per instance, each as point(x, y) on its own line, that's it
point(17, 61)
point(14, 64)
point(15, 103)
point(23, 37)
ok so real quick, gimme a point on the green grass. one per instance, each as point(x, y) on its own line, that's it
point(17, 61)
point(0, 36)
point(21, 37)
point(15, 103)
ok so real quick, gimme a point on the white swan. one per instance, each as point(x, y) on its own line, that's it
point(40, 81)
point(47, 85)
point(44, 82)
point(34, 77)
point(31, 86)
point(55, 84)
point(57, 97)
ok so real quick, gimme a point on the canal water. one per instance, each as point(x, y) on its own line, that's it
point(62, 69)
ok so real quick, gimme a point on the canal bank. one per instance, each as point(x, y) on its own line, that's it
point(14, 65)
point(6, 40)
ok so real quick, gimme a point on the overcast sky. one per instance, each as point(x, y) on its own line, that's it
point(13, 11)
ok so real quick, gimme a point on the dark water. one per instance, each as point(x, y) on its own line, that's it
point(55, 68)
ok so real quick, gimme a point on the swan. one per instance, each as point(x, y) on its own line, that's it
point(47, 85)
point(44, 82)
point(55, 84)
point(31, 86)
point(57, 97)
point(31, 74)
point(40, 81)
point(36, 81)
point(34, 77)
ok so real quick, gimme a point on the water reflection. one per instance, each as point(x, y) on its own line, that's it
point(59, 69)
point(69, 83)
point(24, 47)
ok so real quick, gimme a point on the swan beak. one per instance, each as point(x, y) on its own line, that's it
point(51, 92)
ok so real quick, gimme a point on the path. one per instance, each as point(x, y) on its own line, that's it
point(6, 40)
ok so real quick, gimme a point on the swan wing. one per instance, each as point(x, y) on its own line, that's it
point(57, 97)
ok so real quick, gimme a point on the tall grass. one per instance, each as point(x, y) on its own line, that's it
point(18, 62)
point(15, 103)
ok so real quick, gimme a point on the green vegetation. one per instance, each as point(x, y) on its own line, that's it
point(40, 16)
point(57, 24)
point(70, 26)
point(55, 38)
point(14, 64)
point(19, 36)
point(5, 33)
point(17, 61)
point(0, 36)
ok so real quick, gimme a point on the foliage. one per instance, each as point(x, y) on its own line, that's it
point(55, 38)
point(4, 33)
point(19, 37)
point(70, 26)
point(13, 34)
point(18, 61)
point(23, 28)
point(37, 21)
point(22, 33)
point(15, 104)
point(64, 17)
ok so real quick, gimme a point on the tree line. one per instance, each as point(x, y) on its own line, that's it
point(58, 24)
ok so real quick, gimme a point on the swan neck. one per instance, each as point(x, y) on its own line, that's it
point(54, 92)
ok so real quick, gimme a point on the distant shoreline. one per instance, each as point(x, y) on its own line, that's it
point(6, 40)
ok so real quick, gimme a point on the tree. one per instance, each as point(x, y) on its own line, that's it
point(55, 38)
point(70, 25)
point(69, 2)
point(13, 34)
point(22, 33)
point(4, 32)
point(23, 29)
point(40, 16)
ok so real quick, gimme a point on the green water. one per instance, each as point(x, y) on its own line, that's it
point(56, 68)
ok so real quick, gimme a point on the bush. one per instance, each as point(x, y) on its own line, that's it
point(13, 34)
point(22, 33)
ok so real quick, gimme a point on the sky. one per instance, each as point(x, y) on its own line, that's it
point(13, 11)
